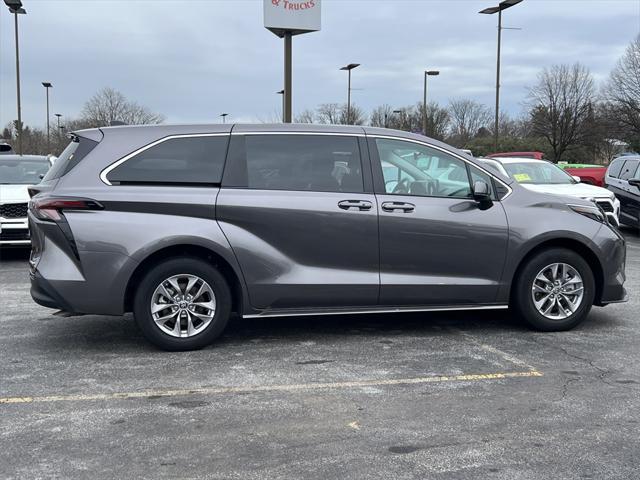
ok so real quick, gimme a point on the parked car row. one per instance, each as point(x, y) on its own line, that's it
point(182, 225)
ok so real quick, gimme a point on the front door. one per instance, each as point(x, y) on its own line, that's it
point(302, 220)
point(437, 247)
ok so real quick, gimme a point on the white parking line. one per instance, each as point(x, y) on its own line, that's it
point(496, 351)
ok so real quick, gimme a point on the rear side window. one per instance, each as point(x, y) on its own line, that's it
point(616, 167)
point(70, 157)
point(320, 163)
point(629, 169)
point(182, 160)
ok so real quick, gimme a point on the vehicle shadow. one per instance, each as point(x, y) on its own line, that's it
point(14, 253)
point(99, 334)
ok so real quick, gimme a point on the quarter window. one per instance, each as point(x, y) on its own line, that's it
point(320, 163)
point(186, 160)
point(413, 169)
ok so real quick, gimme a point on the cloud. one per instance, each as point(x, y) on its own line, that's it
point(192, 60)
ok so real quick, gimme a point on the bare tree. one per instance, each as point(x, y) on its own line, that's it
point(622, 92)
point(562, 107)
point(329, 113)
point(380, 116)
point(109, 105)
point(352, 116)
point(437, 120)
point(306, 116)
point(467, 117)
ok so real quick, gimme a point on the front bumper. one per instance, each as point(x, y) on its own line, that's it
point(613, 261)
point(14, 231)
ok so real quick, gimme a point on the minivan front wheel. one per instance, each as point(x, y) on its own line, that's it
point(182, 304)
point(555, 290)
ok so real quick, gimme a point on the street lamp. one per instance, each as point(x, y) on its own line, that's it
point(224, 117)
point(490, 11)
point(281, 92)
point(15, 7)
point(47, 86)
point(58, 115)
point(427, 73)
point(348, 68)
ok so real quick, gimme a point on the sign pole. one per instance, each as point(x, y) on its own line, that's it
point(287, 77)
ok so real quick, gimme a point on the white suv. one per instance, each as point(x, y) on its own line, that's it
point(545, 177)
point(17, 172)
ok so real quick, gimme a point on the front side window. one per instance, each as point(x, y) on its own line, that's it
point(183, 160)
point(413, 169)
point(629, 169)
point(320, 163)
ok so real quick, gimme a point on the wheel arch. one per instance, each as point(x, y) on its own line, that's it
point(194, 251)
point(570, 244)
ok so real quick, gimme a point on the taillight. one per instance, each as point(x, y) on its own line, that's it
point(51, 208)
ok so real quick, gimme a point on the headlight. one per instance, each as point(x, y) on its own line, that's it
point(594, 213)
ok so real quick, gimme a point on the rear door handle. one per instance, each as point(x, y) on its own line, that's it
point(402, 206)
point(359, 204)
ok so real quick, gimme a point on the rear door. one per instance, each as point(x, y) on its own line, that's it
point(301, 216)
point(437, 247)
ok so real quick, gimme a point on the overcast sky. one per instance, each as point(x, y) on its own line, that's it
point(192, 60)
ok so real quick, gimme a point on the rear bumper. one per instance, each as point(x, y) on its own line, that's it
point(44, 294)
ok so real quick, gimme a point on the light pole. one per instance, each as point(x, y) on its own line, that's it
point(281, 92)
point(490, 11)
point(224, 117)
point(58, 115)
point(348, 68)
point(15, 7)
point(427, 73)
point(47, 86)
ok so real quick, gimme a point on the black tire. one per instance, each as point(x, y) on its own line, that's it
point(522, 301)
point(179, 266)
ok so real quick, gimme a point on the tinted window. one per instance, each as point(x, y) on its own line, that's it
point(615, 167)
point(413, 169)
point(629, 169)
point(188, 160)
point(321, 163)
point(70, 157)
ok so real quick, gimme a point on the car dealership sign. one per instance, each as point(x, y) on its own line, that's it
point(295, 16)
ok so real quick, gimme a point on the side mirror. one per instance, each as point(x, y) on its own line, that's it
point(576, 178)
point(634, 182)
point(482, 194)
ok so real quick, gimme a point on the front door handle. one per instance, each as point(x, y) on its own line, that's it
point(359, 204)
point(402, 206)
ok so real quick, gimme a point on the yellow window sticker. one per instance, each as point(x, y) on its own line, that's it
point(521, 177)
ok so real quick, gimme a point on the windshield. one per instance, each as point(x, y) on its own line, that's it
point(538, 173)
point(22, 171)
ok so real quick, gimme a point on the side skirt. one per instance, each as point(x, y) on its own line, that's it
point(312, 312)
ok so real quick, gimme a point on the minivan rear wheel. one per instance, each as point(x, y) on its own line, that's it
point(554, 290)
point(182, 304)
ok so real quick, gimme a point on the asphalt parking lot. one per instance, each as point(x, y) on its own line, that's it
point(464, 395)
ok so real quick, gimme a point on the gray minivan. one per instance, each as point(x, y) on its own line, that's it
point(183, 225)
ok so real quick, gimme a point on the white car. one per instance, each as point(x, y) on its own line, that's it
point(17, 172)
point(545, 177)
